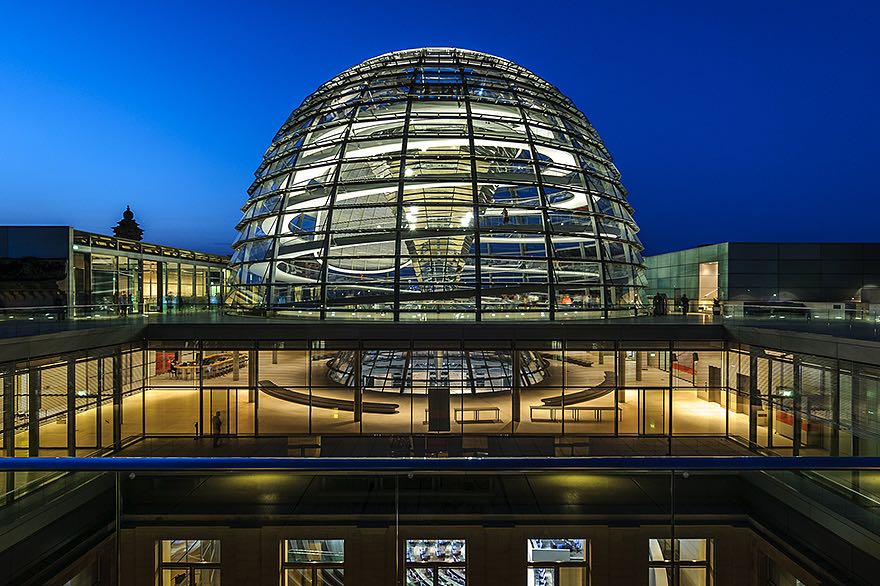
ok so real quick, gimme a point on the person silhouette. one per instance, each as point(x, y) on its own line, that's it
point(216, 426)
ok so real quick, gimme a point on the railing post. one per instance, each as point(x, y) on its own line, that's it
point(34, 383)
point(796, 409)
point(515, 407)
point(254, 386)
point(117, 397)
point(8, 409)
point(754, 399)
point(359, 386)
point(71, 406)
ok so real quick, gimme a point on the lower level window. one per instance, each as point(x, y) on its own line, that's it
point(189, 562)
point(313, 562)
point(436, 562)
point(680, 562)
point(558, 562)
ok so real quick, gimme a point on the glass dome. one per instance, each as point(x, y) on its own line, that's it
point(438, 184)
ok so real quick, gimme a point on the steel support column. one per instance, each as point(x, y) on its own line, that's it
point(71, 406)
point(754, 399)
point(34, 383)
point(117, 398)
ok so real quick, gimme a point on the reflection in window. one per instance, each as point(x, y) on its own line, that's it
point(684, 562)
point(436, 562)
point(313, 562)
point(189, 562)
point(558, 562)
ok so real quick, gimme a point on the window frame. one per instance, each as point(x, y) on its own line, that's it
point(674, 565)
point(435, 566)
point(313, 566)
point(585, 564)
point(189, 567)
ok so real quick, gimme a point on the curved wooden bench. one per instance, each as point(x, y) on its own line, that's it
point(274, 390)
point(600, 390)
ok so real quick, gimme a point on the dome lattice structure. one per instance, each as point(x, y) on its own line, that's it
point(438, 184)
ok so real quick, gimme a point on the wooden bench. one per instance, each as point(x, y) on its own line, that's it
point(555, 414)
point(274, 390)
point(474, 415)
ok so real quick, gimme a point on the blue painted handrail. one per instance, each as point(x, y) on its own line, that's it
point(471, 465)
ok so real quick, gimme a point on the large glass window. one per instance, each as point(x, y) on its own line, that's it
point(104, 281)
point(436, 562)
point(151, 285)
point(558, 562)
point(708, 283)
point(680, 562)
point(189, 562)
point(313, 562)
point(172, 285)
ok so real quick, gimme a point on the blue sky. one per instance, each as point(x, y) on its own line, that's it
point(728, 121)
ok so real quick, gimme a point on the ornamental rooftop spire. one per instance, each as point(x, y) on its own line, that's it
point(128, 227)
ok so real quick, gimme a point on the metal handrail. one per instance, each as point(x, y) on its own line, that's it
point(487, 464)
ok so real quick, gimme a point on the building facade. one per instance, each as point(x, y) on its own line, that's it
point(814, 272)
point(404, 385)
point(58, 268)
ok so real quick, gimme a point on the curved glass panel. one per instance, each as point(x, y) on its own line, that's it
point(438, 184)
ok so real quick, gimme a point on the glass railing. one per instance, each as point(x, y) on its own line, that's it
point(849, 320)
point(845, 319)
point(844, 485)
point(812, 496)
point(23, 321)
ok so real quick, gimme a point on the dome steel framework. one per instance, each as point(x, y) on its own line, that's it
point(438, 184)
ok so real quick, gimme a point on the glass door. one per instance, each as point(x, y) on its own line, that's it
point(653, 411)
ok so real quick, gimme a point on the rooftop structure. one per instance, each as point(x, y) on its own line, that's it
point(441, 184)
point(128, 227)
point(58, 271)
point(756, 276)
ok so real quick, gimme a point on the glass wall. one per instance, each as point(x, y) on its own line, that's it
point(76, 404)
point(116, 285)
point(433, 398)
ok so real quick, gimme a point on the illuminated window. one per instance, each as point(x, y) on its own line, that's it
point(708, 283)
point(436, 562)
point(313, 562)
point(686, 562)
point(189, 562)
point(558, 562)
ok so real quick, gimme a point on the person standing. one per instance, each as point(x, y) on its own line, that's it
point(685, 305)
point(216, 427)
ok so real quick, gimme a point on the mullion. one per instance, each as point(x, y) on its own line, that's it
point(401, 188)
